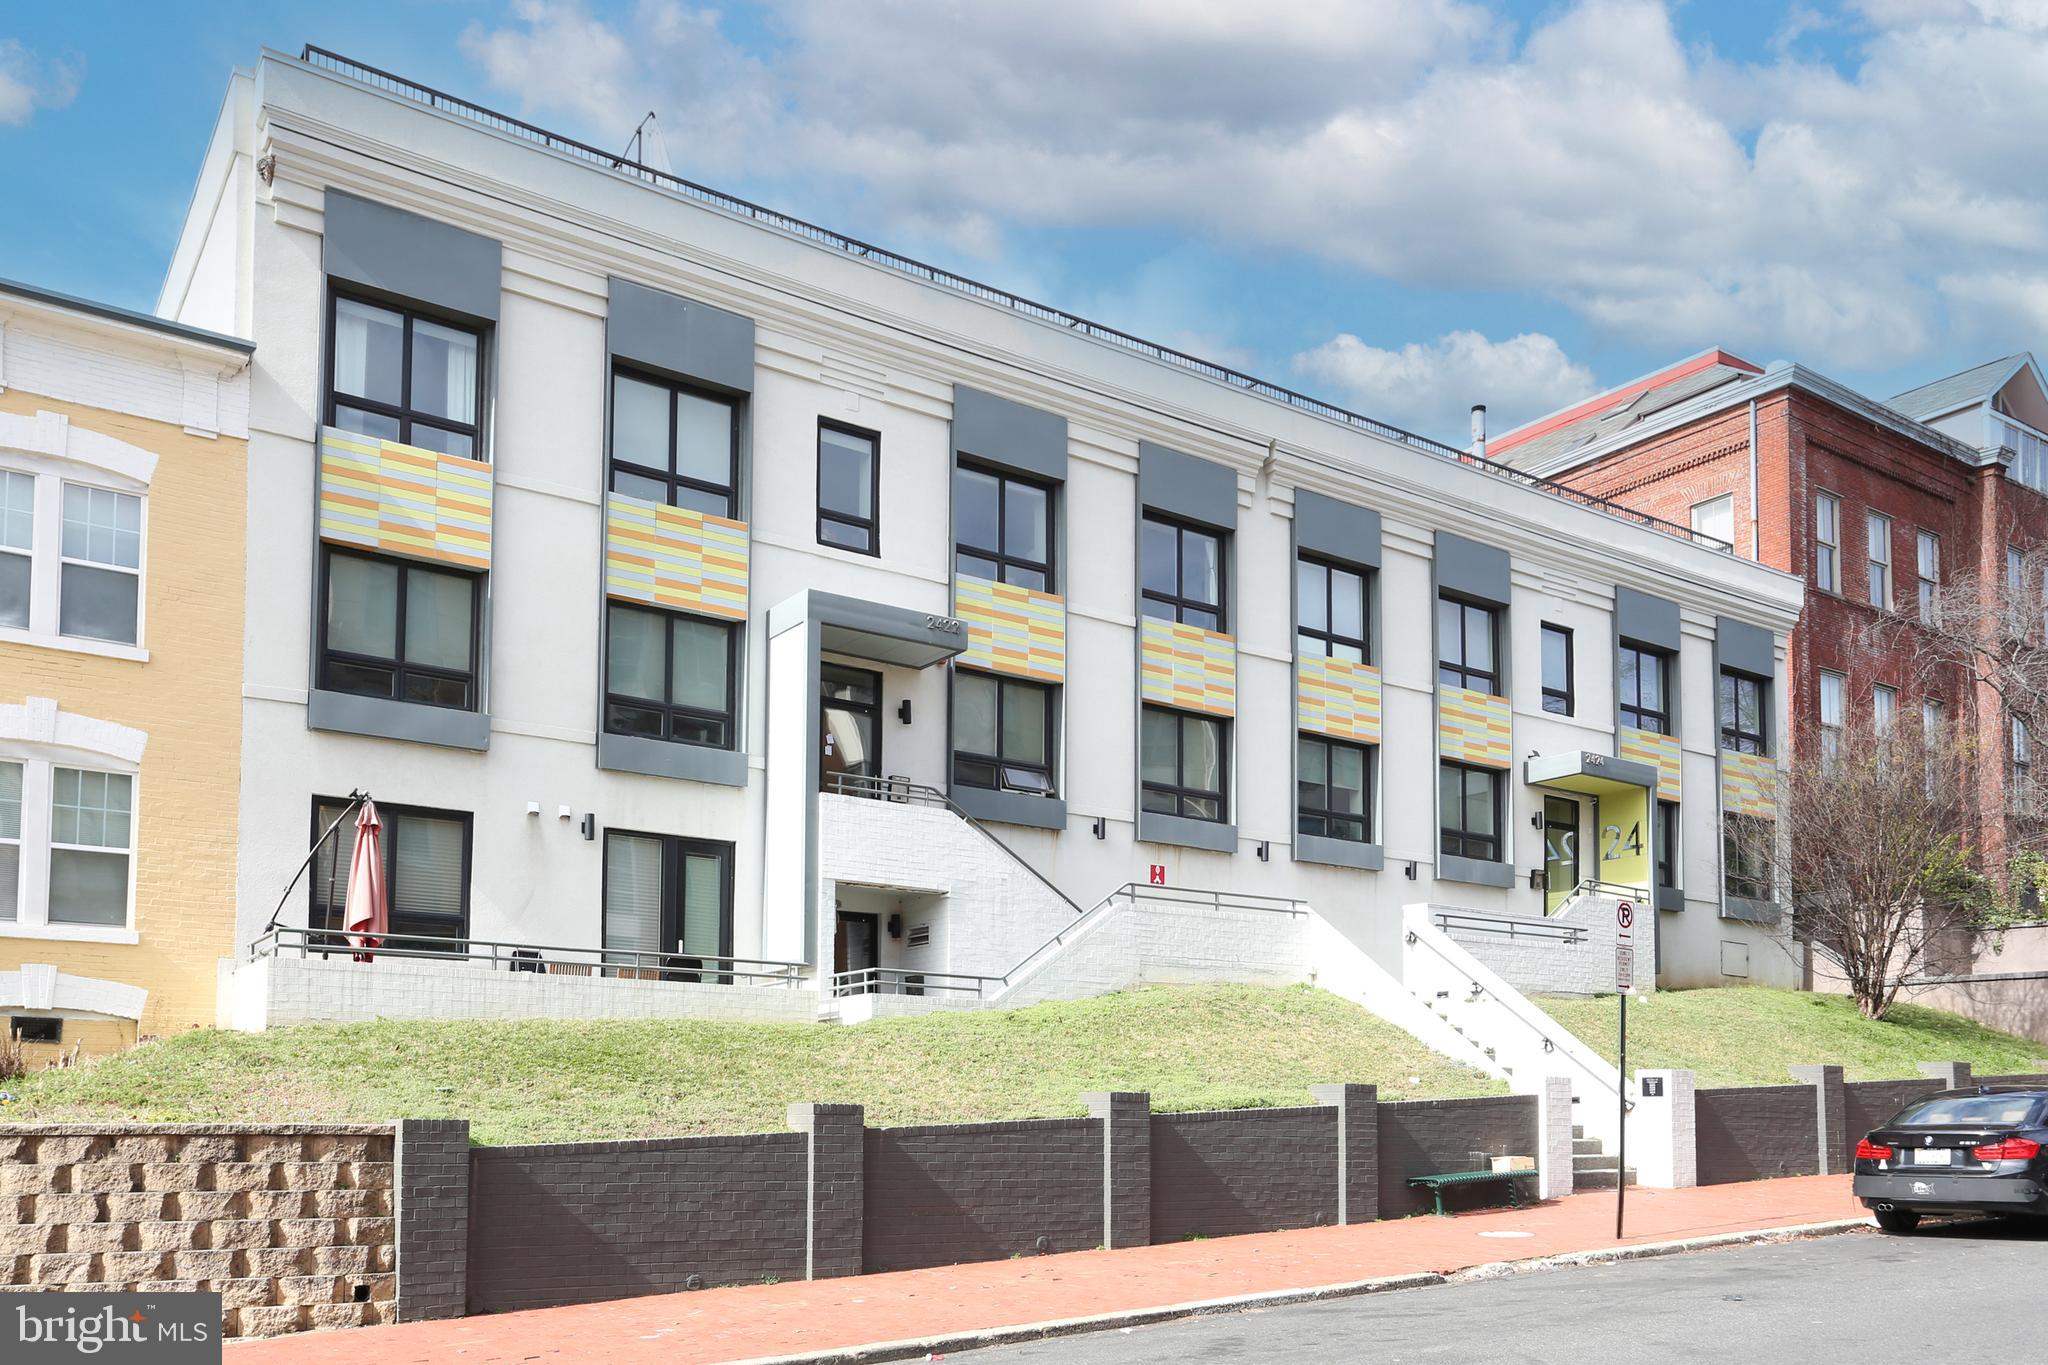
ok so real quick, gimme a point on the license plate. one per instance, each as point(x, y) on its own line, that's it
point(1931, 1156)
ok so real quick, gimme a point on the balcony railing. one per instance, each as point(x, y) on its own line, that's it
point(506, 124)
point(897, 981)
point(540, 959)
point(1507, 926)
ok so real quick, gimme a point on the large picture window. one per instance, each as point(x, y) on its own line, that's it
point(400, 376)
point(1742, 713)
point(1002, 733)
point(669, 676)
point(674, 445)
point(1559, 695)
point(1468, 810)
point(426, 871)
point(100, 590)
point(1182, 765)
point(1182, 573)
point(667, 907)
point(1467, 640)
point(849, 488)
point(1333, 611)
point(1333, 783)
point(1003, 529)
point(1746, 856)
point(67, 850)
point(1644, 675)
point(400, 630)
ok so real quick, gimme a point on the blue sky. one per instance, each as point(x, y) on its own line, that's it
point(1407, 205)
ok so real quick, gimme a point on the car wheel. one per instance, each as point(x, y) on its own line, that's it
point(1898, 1222)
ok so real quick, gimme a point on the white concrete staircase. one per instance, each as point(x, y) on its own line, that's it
point(1592, 1167)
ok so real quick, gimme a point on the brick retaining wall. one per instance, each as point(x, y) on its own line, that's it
point(1757, 1132)
point(1424, 1137)
point(1247, 1170)
point(291, 1224)
point(981, 1192)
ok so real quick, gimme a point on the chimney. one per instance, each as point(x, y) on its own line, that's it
point(1479, 430)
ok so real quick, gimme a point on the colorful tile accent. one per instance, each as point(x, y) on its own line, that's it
point(1338, 698)
point(402, 500)
point(675, 557)
point(1013, 630)
point(1659, 751)
point(1472, 727)
point(1749, 784)
point(1187, 667)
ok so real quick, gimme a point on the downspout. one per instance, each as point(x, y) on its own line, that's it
point(1756, 551)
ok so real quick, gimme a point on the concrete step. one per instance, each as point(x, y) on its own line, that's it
point(1598, 1180)
point(1578, 1131)
point(1593, 1161)
point(1585, 1146)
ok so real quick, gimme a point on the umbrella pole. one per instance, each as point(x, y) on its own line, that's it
point(355, 799)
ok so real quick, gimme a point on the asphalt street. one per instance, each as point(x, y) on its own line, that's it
point(1965, 1291)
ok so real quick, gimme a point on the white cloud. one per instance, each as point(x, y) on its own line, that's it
point(1430, 388)
point(29, 83)
point(1666, 195)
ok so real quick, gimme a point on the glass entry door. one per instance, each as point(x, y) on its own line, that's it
point(849, 731)
point(1560, 850)
point(856, 947)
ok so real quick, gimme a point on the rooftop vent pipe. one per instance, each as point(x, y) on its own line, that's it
point(1479, 430)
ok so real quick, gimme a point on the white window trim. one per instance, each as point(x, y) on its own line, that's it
point(48, 449)
point(1831, 579)
point(1877, 550)
point(42, 738)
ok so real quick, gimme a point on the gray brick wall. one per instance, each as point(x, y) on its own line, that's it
point(604, 1220)
point(1126, 1119)
point(431, 1199)
point(835, 1186)
point(1358, 1148)
point(1756, 1132)
point(982, 1191)
point(1422, 1137)
point(1222, 1173)
point(1867, 1104)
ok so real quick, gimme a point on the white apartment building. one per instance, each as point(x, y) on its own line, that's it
point(708, 599)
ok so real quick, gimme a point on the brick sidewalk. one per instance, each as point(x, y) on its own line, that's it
point(751, 1321)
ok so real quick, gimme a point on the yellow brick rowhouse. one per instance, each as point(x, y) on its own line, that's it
point(123, 445)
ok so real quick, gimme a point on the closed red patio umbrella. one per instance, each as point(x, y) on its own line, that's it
point(367, 914)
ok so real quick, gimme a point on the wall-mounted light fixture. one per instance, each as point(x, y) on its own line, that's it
point(1536, 820)
point(589, 825)
point(895, 926)
point(1265, 851)
point(903, 710)
point(1101, 827)
point(1410, 873)
point(1539, 880)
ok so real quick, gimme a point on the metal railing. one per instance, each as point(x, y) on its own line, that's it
point(541, 959)
point(1213, 900)
point(400, 86)
point(903, 791)
point(1508, 926)
point(901, 981)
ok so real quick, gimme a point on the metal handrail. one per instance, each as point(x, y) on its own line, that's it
point(699, 968)
point(389, 83)
point(1510, 926)
point(903, 790)
point(1215, 900)
point(905, 981)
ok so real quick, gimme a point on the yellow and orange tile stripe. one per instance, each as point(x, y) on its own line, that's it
point(1187, 667)
point(1338, 698)
point(403, 500)
point(675, 557)
point(1012, 630)
point(1475, 728)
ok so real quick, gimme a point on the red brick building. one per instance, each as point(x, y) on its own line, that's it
point(1864, 500)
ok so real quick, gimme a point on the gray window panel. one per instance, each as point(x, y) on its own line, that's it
point(14, 590)
point(680, 336)
point(1023, 724)
point(1347, 602)
point(703, 911)
point(88, 887)
point(846, 478)
point(1743, 647)
point(703, 651)
point(369, 352)
point(446, 442)
point(1480, 572)
point(1647, 620)
point(1011, 808)
point(703, 438)
point(975, 497)
point(640, 425)
point(639, 486)
point(665, 758)
point(1000, 432)
point(1201, 567)
point(375, 425)
point(634, 646)
point(1201, 754)
point(405, 255)
point(444, 372)
point(1325, 526)
point(974, 713)
point(1347, 781)
point(1155, 827)
point(98, 604)
point(1025, 516)
point(1312, 765)
point(632, 893)
point(1314, 608)
point(430, 866)
point(1315, 848)
point(1161, 544)
point(1185, 486)
point(362, 607)
point(347, 713)
point(1479, 872)
point(438, 628)
point(1157, 750)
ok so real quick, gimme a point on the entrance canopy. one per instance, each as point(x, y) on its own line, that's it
point(873, 630)
point(1624, 835)
point(1591, 773)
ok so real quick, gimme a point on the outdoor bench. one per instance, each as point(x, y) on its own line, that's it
point(1436, 1184)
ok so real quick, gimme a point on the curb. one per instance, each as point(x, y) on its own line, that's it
point(945, 1343)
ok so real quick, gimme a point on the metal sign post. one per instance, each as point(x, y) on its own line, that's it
point(1624, 982)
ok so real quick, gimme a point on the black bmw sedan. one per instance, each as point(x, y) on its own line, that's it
point(1982, 1150)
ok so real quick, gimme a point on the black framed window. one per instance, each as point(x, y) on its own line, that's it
point(1333, 611)
point(398, 375)
point(1003, 528)
point(667, 907)
point(1468, 645)
point(426, 870)
point(674, 444)
point(1745, 857)
point(1645, 674)
point(1333, 788)
point(1182, 568)
point(1558, 696)
point(1002, 733)
point(1667, 843)
point(1182, 764)
point(1742, 712)
point(669, 676)
point(400, 630)
point(36, 1028)
point(1469, 801)
point(849, 488)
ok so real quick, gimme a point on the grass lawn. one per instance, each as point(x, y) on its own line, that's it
point(1193, 1047)
point(1748, 1036)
